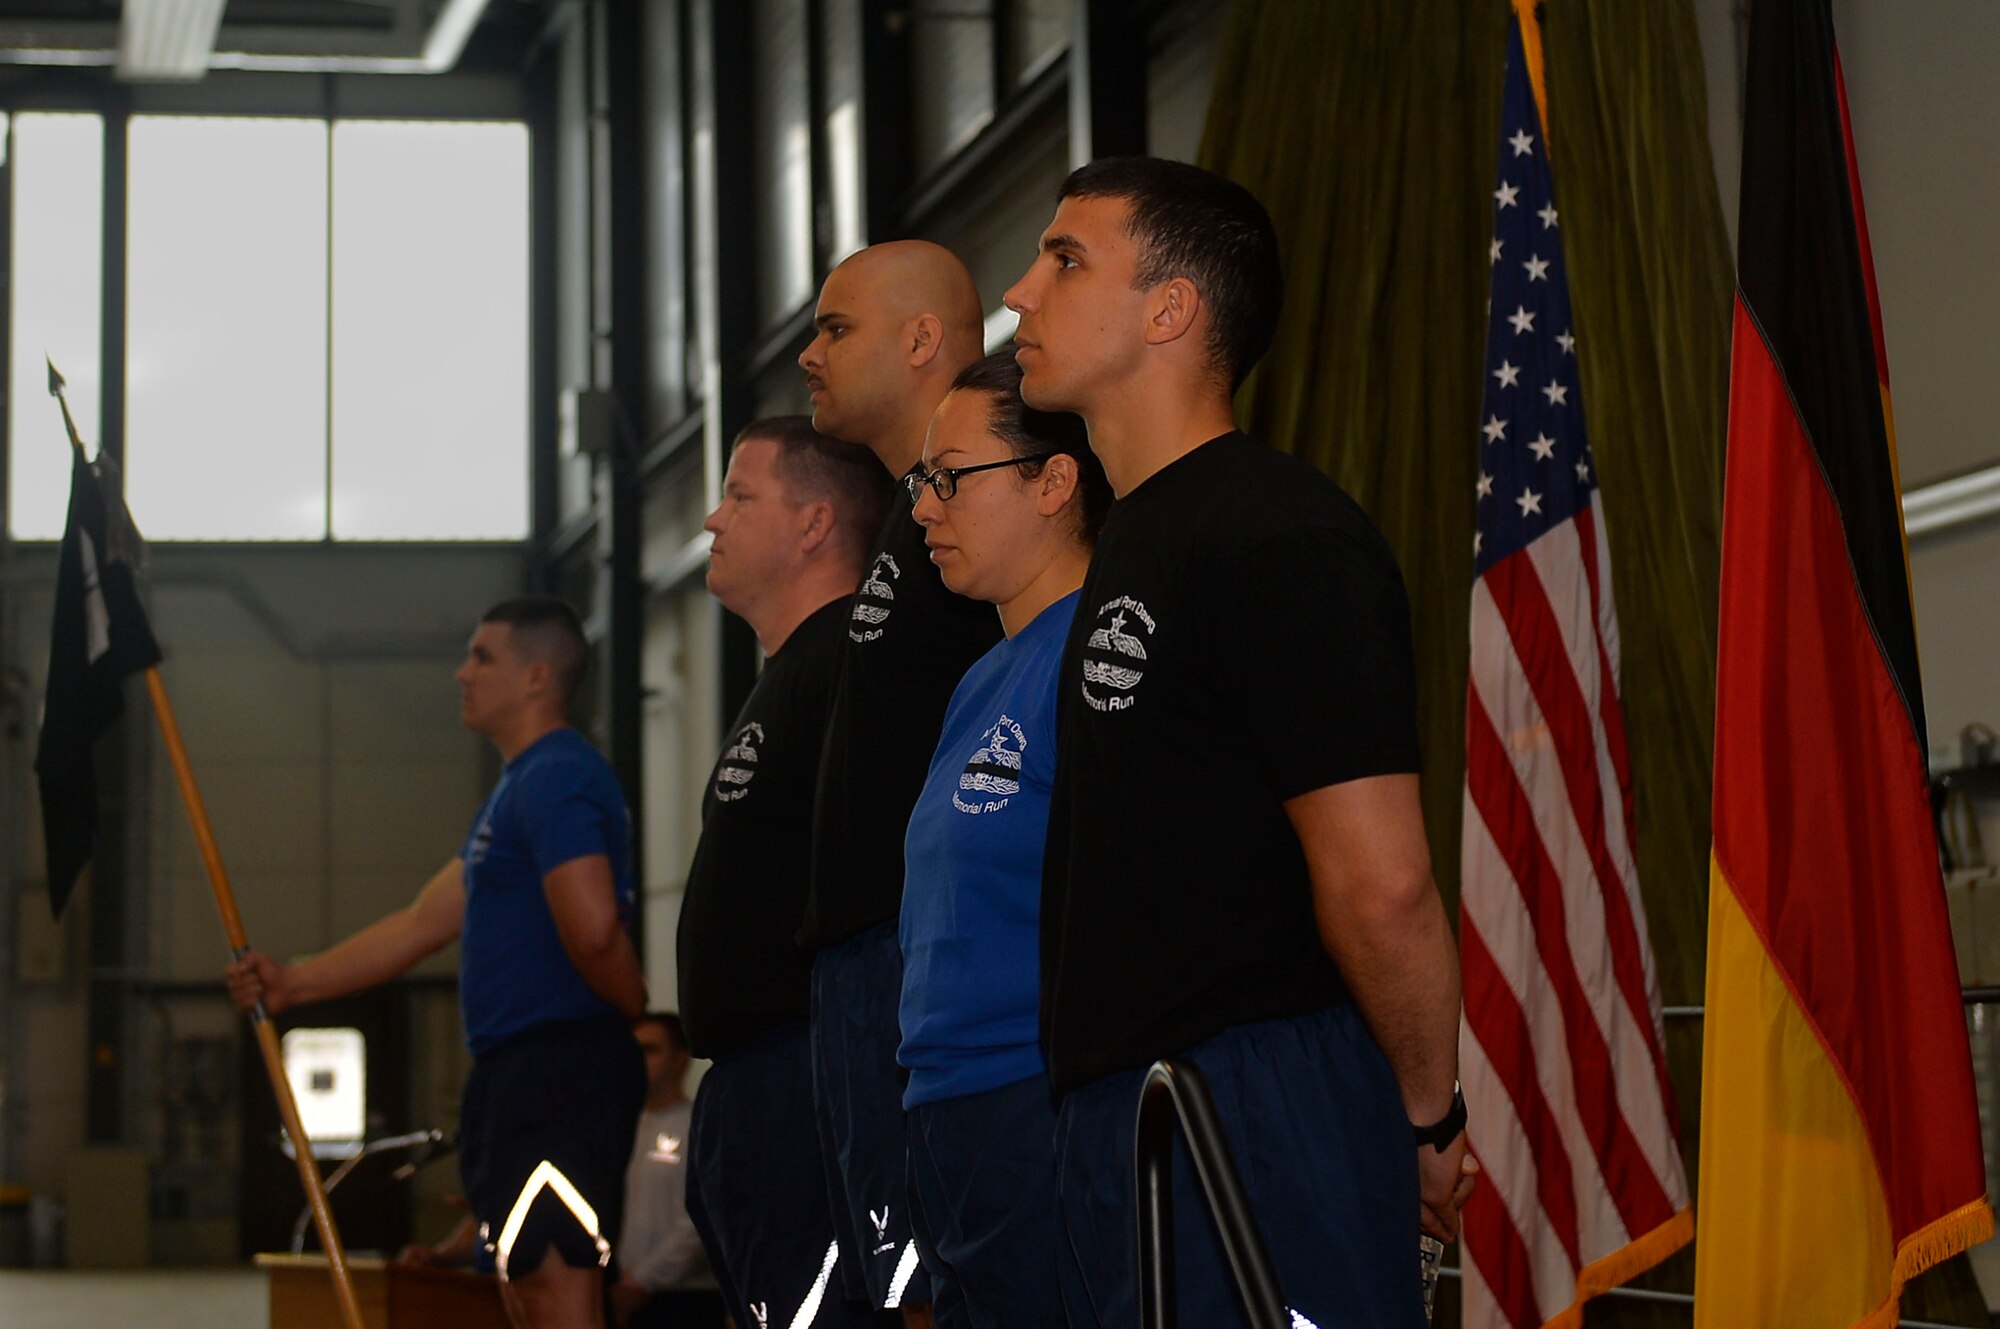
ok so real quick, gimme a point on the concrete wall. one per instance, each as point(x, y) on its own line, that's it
point(313, 687)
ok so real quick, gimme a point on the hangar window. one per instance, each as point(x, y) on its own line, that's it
point(326, 325)
point(57, 165)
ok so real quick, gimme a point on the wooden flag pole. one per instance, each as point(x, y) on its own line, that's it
point(267, 1034)
point(232, 924)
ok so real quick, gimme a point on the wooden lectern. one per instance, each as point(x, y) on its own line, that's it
point(392, 1295)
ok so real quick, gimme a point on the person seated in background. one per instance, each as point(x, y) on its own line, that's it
point(1010, 501)
point(663, 1277)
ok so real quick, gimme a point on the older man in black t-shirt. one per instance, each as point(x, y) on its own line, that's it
point(797, 512)
point(1236, 867)
point(896, 322)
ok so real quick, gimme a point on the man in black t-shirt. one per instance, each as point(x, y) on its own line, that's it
point(790, 535)
point(896, 322)
point(1236, 869)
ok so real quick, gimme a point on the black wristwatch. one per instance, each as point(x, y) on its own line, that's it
point(1444, 1132)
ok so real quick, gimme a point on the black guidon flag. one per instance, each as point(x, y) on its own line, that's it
point(100, 636)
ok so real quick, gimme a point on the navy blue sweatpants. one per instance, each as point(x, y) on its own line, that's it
point(857, 988)
point(756, 1189)
point(983, 1189)
point(1316, 1123)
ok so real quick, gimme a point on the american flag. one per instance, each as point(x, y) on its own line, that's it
point(1572, 1117)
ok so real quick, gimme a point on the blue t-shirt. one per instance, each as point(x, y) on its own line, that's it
point(972, 894)
point(556, 801)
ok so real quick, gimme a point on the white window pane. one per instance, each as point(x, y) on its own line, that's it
point(226, 328)
point(430, 331)
point(58, 264)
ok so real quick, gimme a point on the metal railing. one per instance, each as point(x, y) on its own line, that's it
point(1687, 1299)
point(1973, 996)
point(1176, 1094)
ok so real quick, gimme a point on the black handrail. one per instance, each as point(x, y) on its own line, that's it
point(1972, 996)
point(1176, 1093)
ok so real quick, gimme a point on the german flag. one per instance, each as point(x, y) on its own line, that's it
point(1840, 1147)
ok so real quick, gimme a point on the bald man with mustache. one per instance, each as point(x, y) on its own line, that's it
point(896, 322)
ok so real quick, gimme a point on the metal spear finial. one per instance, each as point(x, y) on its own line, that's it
point(69, 423)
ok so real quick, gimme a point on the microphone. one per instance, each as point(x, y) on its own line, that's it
point(434, 1145)
point(428, 1144)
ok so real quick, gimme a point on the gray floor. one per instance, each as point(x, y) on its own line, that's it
point(117, 1298)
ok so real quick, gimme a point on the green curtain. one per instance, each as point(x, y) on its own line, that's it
point(1370, 129)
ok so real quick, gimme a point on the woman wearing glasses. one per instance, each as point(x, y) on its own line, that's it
point(1010, 499)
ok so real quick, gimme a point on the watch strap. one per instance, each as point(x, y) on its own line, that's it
point(1443, 1132)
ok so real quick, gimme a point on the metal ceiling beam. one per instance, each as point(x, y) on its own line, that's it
point(1947, 504)
point(407, 46)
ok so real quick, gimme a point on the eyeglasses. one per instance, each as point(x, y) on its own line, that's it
point(944, 480)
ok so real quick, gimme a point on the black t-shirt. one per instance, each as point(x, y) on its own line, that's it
point(741, 971)
point(1243, 637)
point(908, 642)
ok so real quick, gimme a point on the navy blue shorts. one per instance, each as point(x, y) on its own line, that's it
point(755, 1189)
point(983, 1192)
point(1316, 1123)
point(857, 989)
point(544, 1134)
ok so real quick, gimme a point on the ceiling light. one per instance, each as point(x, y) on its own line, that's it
point(167, 39)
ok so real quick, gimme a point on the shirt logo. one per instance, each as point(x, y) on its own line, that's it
point(482, 834)
point(762, 1310)
point(1112, 654)
point(482, 840)
point(995, 770)
point(881, 1222)
point(666, 1149)
point(877, 598)
point(739, 764)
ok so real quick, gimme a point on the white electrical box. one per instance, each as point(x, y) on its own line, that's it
point(328, 1069)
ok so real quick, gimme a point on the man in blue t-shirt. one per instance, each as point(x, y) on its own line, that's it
point(540, 896)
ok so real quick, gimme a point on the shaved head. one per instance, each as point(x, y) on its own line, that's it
point(916, 277)
point(896, 323)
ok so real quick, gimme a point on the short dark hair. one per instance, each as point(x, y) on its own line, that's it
point(669, 1021)
point(1196, 224)
point(547, 629)
point(814, 466)
point(1028, 432)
